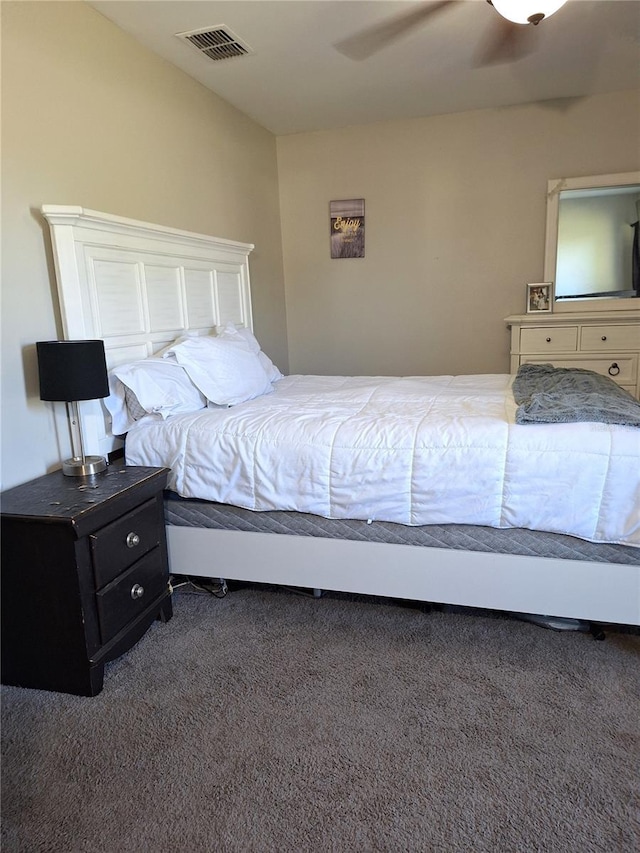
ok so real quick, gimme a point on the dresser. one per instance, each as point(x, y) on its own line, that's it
point(607, 343)
point(84, 574)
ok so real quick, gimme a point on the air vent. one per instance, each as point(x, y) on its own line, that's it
point(216, 42)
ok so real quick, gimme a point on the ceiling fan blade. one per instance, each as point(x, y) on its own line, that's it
point(507, 42)
point(364, 44)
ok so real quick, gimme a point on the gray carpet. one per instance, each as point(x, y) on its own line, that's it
point(266, 721)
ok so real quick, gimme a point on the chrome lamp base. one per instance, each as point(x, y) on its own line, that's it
point(84, 466)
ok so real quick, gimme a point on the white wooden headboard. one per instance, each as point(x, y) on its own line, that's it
point(138, 286)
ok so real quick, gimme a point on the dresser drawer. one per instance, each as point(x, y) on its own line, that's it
point(608, 338)
point(561, 339)
point(131, 593)
point(121, 543)
point(624, 370)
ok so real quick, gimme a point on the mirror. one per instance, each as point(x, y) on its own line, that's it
point(592, 251)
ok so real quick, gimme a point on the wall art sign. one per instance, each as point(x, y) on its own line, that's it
point(539, 297)
point(347, 228)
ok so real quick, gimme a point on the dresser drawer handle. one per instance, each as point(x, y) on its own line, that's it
point(548, 340)
point(137, 591)
point(603, 338)
point(133, 540)
point(614, 370)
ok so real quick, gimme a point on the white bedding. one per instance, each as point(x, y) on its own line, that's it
point(413, 450)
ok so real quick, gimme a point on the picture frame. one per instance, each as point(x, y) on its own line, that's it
point(539, 297)
point(346, 224)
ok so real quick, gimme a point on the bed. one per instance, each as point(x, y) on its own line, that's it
point(443, 535)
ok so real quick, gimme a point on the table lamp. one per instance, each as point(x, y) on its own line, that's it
point(72, 371)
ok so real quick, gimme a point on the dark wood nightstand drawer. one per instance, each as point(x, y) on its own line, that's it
point(130, 594)
point(121, 543)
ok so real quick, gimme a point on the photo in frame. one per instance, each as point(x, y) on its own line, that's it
point(539, 298)
point(347, 228)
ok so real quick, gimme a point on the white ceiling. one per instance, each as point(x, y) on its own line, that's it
point(296, 80)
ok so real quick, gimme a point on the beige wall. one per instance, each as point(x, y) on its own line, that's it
point(455, 208)
point(91, 118)
point(455, 218)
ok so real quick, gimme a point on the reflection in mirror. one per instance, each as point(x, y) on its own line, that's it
point(593, 240)
point(596, 245)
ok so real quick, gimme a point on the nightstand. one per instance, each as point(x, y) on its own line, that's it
point(84, 574)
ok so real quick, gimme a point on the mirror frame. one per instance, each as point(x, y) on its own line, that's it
point(554, 187)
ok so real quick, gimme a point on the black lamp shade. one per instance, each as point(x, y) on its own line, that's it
point(72, 370)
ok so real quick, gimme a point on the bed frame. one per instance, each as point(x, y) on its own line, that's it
point(138, 286)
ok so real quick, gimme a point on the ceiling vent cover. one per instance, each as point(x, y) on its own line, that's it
point(216, 42)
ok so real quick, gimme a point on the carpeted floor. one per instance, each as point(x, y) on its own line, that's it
point(266, 721)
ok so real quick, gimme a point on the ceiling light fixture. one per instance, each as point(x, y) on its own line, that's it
point(526, 11)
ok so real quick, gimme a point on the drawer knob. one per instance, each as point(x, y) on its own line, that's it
point(603, 338)
point(133, 540)
point(548, 340)
point(614, 370)
point(137, 591)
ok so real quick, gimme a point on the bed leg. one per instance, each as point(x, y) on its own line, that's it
point(317, 593)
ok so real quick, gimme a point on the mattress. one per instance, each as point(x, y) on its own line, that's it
point(411, 450)
point(183, 512)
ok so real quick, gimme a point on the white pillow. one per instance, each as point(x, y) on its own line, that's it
point(161, 353)
point(269, 367)
point(225, 370)
point(160, 387)
point(231, 331)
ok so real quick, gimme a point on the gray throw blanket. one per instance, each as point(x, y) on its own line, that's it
point(552, 395)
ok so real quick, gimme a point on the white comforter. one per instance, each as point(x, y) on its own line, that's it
point(413, 450)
